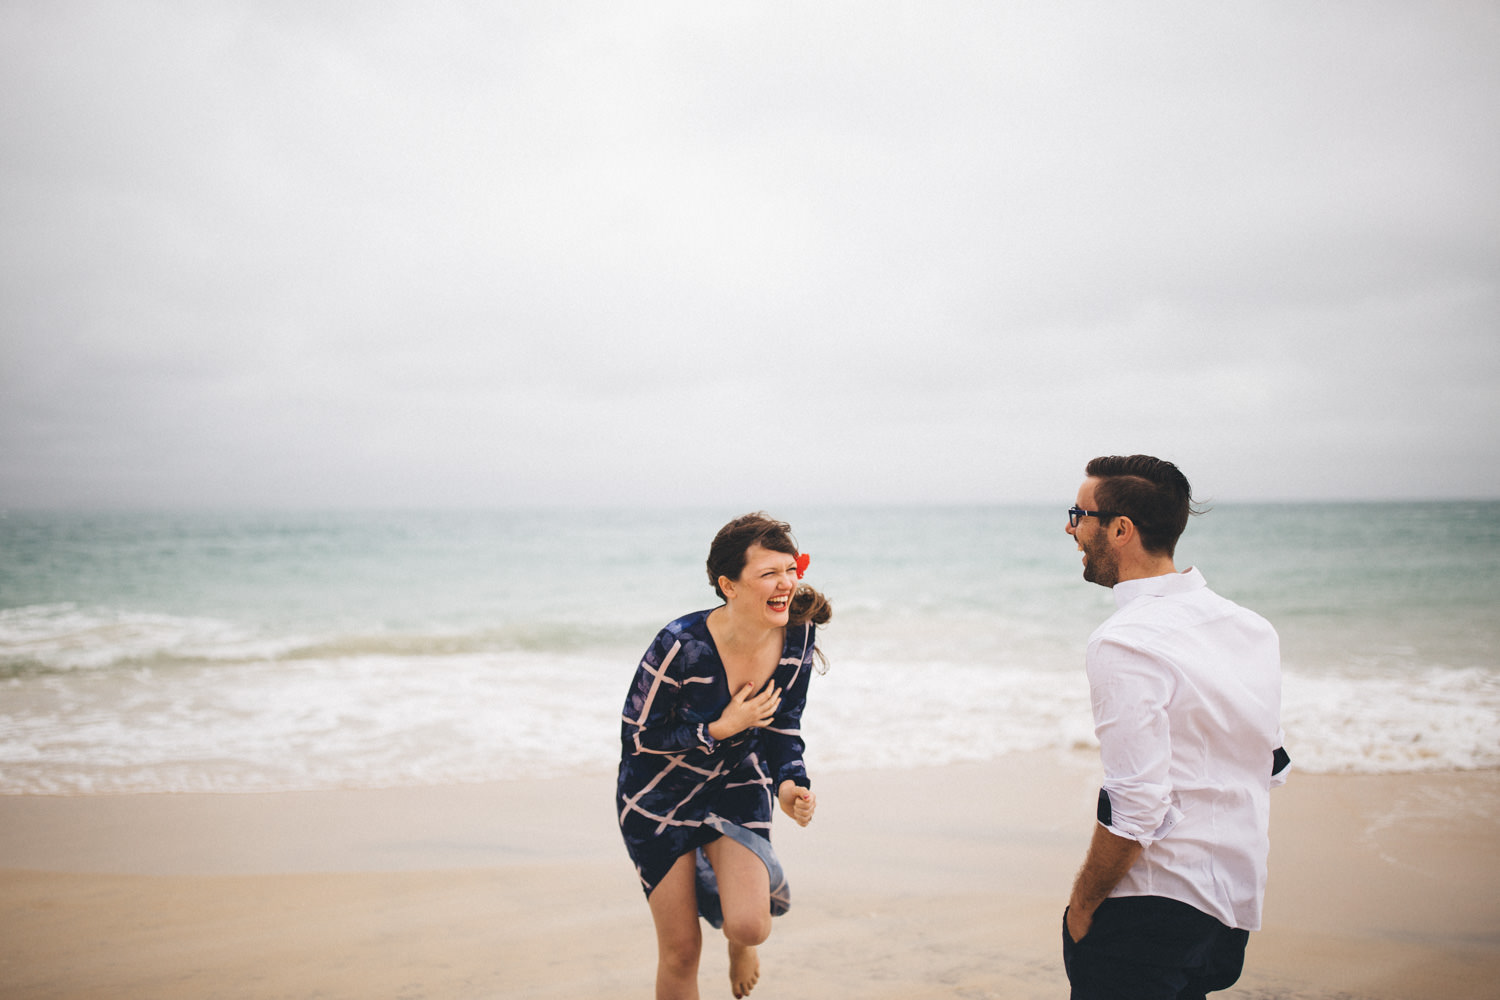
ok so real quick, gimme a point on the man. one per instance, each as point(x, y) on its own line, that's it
point(1186, 691)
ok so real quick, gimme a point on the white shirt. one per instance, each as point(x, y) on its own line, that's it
point(1186, 688)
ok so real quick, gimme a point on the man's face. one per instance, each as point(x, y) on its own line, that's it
point(1101, 563)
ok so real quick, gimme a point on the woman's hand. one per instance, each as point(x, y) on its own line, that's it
point(746, 712)
point(796, 801)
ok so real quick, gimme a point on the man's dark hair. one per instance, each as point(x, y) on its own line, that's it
point(1153, 493)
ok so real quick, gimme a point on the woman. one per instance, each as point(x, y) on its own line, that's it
point(710, 737)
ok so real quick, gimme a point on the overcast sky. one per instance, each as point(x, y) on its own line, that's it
point(313, 253)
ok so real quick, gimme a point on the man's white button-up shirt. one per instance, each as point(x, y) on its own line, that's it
point(1186, 690)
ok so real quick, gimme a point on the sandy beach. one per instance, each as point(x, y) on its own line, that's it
point(942, 882)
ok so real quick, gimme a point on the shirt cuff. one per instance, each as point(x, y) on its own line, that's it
point(1117, 816)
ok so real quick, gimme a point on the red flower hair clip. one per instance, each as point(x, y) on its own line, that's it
point(802, 562)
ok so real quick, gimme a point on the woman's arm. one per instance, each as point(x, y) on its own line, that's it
point(782, 739)
point(650, 722)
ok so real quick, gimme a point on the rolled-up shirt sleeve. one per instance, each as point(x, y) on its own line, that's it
point(1130, 695)
point(1281, 762)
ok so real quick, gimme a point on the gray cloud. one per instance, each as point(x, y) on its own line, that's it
point(367, 254)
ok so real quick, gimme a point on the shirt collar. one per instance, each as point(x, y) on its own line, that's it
point(1159, 586)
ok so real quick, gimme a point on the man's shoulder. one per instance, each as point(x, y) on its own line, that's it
point(1152, 615)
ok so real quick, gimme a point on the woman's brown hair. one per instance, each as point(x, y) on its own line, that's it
point(727, 556)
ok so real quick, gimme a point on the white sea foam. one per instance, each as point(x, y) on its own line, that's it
point(224, 652)
point(374, 721)
point(1439, 719)
point(908, 714)
point(304, 724)
point(67, 637)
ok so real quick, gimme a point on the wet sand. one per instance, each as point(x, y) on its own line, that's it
point(939, 882)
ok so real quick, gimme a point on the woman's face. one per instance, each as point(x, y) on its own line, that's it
point(765, 585)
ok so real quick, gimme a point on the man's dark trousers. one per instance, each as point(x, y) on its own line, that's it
point(1152, 948)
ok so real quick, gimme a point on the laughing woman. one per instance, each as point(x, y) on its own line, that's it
point(711, 738)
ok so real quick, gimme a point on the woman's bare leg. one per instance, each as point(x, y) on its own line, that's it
point(745, 896)
point(679, 939)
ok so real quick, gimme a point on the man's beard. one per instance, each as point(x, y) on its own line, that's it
point(1100, 565)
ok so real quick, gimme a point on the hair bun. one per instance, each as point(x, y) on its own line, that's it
point(808, 605)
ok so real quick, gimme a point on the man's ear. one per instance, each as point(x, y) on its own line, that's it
point(1124, 529)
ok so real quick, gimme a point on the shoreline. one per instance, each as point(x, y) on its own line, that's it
point(928, 882)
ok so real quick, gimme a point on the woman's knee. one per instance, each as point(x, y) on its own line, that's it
point(744, 891)
point(747, 928)
point(679, 950)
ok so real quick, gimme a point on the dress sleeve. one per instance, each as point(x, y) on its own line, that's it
point(651, 722)
point(1130, 692)
point(783, 738)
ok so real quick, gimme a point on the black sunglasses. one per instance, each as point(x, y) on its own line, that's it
point(1076, 514)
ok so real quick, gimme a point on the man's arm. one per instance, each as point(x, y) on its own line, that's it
point(1109, 858)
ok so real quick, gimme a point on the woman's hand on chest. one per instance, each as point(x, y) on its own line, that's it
point(746, 710)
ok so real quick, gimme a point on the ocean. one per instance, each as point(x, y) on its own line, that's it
point(263, 651)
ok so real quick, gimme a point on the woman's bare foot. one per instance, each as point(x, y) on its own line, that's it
point(744, 969)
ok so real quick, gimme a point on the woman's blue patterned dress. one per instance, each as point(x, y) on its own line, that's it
point(678, 787)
